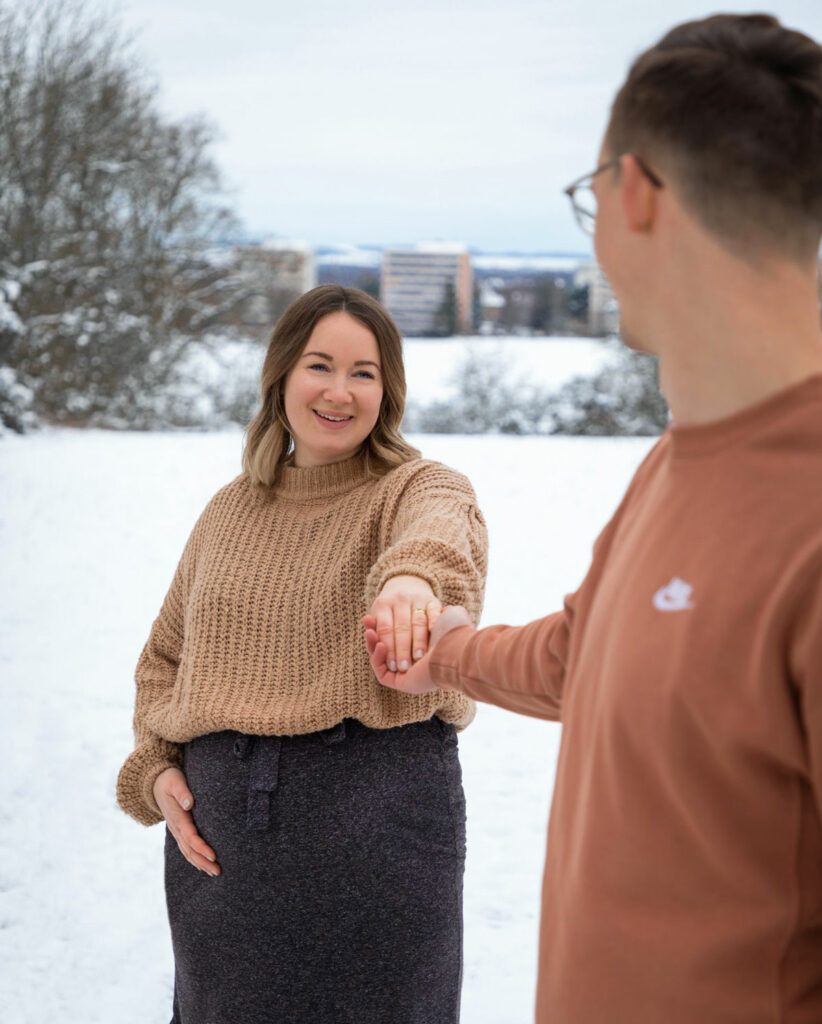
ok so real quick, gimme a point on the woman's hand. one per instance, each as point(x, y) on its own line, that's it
point(175, 799)
point(418, 678)
point(403, 616)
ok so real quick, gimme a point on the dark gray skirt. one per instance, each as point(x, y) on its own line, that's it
point(340, 898)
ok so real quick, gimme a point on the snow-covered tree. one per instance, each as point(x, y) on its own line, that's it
point(107, 209)
point(622, 398)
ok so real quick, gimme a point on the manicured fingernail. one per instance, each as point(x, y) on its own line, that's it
point(403, 666)
point(213, 873)
point(392, 665)
point(186, 804)
point(418, 654)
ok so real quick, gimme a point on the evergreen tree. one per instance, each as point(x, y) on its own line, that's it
point(445, 319)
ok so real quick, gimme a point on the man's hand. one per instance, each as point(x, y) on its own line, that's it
point(417, 678)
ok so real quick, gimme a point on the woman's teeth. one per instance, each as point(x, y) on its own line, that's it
point(333, 419)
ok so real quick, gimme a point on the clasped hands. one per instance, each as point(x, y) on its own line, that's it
point(404, 624)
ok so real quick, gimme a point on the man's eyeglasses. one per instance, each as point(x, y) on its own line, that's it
point(584, 200)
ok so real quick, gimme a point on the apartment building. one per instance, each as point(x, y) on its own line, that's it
point(428, 289)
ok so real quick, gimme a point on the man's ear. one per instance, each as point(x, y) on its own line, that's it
point(637, 195)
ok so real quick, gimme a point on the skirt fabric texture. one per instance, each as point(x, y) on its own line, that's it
point(340, 899)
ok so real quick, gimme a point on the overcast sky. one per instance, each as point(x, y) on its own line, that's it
point(375, 121)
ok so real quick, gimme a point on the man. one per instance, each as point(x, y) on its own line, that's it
point(683, 875)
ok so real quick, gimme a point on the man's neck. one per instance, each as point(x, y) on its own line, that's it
point(727, 343)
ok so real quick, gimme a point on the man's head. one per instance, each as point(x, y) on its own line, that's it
point(726, 113)
point(730, 110)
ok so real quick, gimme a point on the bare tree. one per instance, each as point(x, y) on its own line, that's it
point(106, 212)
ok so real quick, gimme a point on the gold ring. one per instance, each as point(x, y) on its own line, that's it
point(420, 610)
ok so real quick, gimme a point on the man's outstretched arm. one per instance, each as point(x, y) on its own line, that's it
point(520, 668)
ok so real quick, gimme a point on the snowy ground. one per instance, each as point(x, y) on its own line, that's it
point(548, 362)
point(91, 527)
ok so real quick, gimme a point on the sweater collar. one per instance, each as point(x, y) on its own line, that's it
point(320, 481)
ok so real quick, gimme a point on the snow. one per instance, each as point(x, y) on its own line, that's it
point(91, 526)
point(439, 246)
point(430, 363)
point(509, 262)
point(9, 320)
point(286, 245)
point(344, 255)
point(528, 262)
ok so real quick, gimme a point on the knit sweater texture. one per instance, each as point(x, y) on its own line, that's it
point(260, 630)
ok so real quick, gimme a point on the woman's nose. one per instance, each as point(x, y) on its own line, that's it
point(337, 390)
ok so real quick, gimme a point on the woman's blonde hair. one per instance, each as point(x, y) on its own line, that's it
point(268, 436)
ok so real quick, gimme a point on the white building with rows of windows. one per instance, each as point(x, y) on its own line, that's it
point(428, 289)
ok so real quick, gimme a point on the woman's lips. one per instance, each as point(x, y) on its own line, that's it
point(332, 424)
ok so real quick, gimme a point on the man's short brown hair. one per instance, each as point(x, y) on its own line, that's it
point(730, 109)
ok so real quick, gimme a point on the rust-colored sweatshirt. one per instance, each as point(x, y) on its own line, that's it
point(683, 876)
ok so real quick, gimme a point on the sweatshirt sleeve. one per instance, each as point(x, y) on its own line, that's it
point(519, 668)
point(438, 533)
point(155, 676)
point(523, 668)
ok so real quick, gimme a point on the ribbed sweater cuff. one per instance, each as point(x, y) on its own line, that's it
point(446, 572)
point(406, 569)
point(135, 783)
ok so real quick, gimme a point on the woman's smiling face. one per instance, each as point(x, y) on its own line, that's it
point(333, 393)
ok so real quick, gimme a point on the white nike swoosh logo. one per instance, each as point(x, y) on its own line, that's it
point(674, 596)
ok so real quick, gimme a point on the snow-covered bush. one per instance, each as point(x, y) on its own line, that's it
point(16, 397)
point(621, 398)
point(485, 399)
point(215, 384)
point(16, 403)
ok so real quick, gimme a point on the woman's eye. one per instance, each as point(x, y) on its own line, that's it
point(365, 373)
point(318, 366)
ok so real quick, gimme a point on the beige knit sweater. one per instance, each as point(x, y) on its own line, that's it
point(260, 630)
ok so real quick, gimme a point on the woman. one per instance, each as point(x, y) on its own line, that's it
point(315, 820)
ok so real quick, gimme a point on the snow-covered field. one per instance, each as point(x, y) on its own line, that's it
point(91, 527)
point(430, 363)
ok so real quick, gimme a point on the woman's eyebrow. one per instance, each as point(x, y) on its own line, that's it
point(359, 362)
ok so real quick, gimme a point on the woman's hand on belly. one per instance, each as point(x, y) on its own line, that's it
point(175, 801)
point(405, 612)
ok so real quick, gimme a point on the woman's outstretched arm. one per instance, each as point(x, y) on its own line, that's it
point(436, 553)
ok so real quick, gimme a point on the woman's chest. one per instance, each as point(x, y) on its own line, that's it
point(276, 559)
